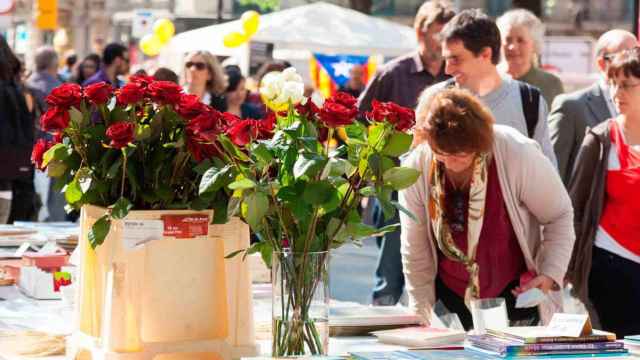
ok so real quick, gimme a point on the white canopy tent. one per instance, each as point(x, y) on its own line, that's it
point(297, 32)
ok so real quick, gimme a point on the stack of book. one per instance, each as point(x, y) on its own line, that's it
point(632, 343)
point(528, 341)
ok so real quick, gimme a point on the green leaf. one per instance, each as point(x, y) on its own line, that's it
point(232, 149)
point(356, 131)
point(56, 152)
point(368, 191)
point(404, 210)
point(220, 211)
point(308, 165)
point(75, 116)
point(398, 144)
point(84, 179)
point(242, 184)
point(114, 169)
point(201, 168)
point(254, 208)
point(376, 134)
point(401, 177)
point(379, 164)
point(99, 231)
point(318, 192)
point(121, 208)
point(214, 178)
point(336, 167)
point(261, 152)
point(234, 253)
point(73, 192)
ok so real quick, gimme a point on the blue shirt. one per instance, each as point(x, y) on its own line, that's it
point(101, 75)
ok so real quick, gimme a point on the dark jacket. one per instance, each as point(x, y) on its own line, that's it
point(587, 192)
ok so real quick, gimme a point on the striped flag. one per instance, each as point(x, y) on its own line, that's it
point(330, 72)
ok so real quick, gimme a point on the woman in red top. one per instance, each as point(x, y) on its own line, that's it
point(605, 266)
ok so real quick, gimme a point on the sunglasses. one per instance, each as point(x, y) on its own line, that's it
point(199, 65)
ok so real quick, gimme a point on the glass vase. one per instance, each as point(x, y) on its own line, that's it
point(300, 305)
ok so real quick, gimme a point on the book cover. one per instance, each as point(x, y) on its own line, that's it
point(501, 345)
point(551, 355)
point(421, 355)
point(539, 334)
point(418, 336)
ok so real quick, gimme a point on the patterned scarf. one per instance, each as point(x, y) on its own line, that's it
point(440, 225)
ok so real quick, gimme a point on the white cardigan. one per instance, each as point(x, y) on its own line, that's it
point(537, 203)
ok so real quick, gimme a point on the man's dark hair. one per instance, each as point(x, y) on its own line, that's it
point(476, 30)
point(71, 60)
point(112, 52)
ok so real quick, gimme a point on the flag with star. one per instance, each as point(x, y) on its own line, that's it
point(330, 72)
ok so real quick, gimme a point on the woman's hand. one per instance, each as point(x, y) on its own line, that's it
point(542, 282)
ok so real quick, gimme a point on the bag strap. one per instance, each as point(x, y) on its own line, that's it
point(530, 106)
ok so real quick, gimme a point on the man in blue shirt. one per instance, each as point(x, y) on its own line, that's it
point(115, 60)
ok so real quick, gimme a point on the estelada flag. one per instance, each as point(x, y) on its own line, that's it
point(330, 72)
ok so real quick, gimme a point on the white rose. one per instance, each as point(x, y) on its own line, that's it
point(290, 74)
point(271, 85)
point(317, 99)
point(293, 91)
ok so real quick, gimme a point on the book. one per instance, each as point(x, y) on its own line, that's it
point(505, 346)
point(353, 319)
point(419, 355)
point(539, 334)
point(546, 355)
point(420, 336)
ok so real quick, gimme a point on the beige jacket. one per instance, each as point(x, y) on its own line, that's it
point(535, 199)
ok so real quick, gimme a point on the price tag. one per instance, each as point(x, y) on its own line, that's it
point(186, 226)
point(569, 325)
point(139, 232)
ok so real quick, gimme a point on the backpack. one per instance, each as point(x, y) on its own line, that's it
point(530, 96)
point(16, 133)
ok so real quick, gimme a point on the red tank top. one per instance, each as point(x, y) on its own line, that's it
point(622, 204)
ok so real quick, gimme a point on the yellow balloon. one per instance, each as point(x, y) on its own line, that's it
point(164, 30)
point(234, 39)
point(150, 45)
point(250, 22)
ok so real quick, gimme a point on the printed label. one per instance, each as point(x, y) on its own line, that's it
point(138, 232)
point(186, 226)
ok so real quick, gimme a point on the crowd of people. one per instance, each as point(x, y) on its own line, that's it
point(522, 186)
point(513, 196)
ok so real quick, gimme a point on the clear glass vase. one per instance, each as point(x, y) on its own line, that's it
point(300, 303)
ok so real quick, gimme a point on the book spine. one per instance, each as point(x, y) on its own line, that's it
point(564, 339)
point(534, 348)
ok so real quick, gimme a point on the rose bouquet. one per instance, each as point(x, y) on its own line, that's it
point(144, 146)
point(300, 194)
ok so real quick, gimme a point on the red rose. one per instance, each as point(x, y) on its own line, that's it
point(344, 98)
point(228, 119)
point(202, 132)
point(143, 80)
point(309, 109)
point(334, 114)
point(40, 147)
point(165, 92)
point(98, 93)
point(55, 119)
point(402, 118)
point(243, 131)
point(131, 93)
point(65, 96)
point(190, 106)
point(121, 134)
point(266, 126)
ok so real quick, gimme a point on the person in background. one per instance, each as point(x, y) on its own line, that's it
point(17, 132)
point(605, 188)
point(522, 40)
point(490, 210)
point(166, 74)
point(401, 81)
point(471, 48)
point(87, 68)
point(236, 95)
point(572, 113)
point(355, 85)
point(69, 65)
point(115, 63)
point(45, 78)
point(204, 77)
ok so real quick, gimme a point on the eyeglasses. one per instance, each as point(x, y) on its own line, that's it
point(199, 65)
point(622, 87)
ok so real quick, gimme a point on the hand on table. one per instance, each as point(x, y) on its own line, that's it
point(542, 282)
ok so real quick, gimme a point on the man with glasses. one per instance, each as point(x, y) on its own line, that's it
point(572, 113)
point(115, 60)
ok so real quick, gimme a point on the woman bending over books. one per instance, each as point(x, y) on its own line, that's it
point(485, 194)
point(605, 190)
